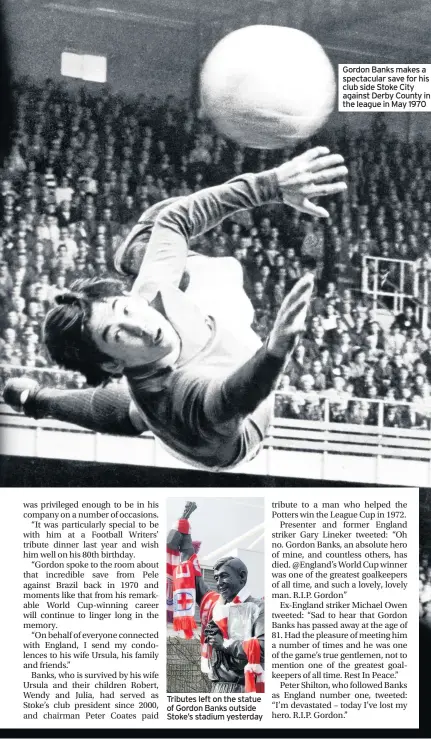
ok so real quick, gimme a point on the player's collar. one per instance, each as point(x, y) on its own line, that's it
point(185, 317)
point(191, 326)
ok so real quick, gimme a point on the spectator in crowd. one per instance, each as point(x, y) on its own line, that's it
point(406, 320)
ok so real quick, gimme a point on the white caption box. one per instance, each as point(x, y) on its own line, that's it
point(384, 87)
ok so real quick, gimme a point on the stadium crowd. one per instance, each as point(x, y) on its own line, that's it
point(84, 166)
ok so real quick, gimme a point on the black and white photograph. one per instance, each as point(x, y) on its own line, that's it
point(209, 261)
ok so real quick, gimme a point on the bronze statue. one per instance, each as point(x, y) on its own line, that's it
point(232, 621)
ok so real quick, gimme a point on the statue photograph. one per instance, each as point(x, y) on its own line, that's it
point(216, 625)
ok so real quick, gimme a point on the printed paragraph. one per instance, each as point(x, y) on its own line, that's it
point(342, 629)
point(90, 604)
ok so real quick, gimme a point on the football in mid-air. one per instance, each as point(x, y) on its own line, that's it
point(267, 87)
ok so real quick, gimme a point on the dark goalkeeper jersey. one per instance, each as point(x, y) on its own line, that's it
point(212, 405)
point(197, 409)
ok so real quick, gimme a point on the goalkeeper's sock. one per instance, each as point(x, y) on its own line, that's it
point(104, 409)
